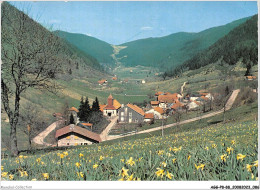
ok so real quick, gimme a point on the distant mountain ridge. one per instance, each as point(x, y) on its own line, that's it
point(99, 49)
point(172, 50)
point(239, 44)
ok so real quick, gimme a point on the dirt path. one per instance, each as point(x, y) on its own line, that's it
point(228, 106)
point(39, 139)
point(104, 134)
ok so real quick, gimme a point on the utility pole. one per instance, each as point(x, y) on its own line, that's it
point(162, 127)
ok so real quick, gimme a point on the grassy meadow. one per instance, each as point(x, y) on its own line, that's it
point(226, 152)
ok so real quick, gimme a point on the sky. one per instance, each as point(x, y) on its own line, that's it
point(118, 22)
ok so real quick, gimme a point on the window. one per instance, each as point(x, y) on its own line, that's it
point(85, 143)
point(136, 120)
point(81, 143)
point(68, 143)
point(122, 113)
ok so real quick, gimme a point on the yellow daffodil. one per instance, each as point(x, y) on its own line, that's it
point(169, 175)
point(233, 142)
point(164, 164)
point(17, 161)
point(252, 176)
point(223, 157)
point(2, 168)
point(81, 155)
point(159, 172)
point(130, 161)
point(21, 156)
point(11, 177)
point(214, 145)
point(130, 178)
point(45, 175)
point(38, 160)
point(34, 179)
point(66, 153)
point(101, 158)
point(206, 148)
point(229, 150)
point(201, 166)
point(61, 155)
point(139, 159)
point(4, 174)
point(174, 160)
point(123, 172)
point(160, 152)
point(121, 179)
point(189, 157)
point(80, 174)
point(255, 163)
point(95, 166)
point(240, 156)
point(248, 167)
point(77, 164)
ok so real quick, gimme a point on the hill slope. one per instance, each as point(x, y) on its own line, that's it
point(172, 50)
point(99, 49)
point(239, 44)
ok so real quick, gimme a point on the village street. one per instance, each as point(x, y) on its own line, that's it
point(39, 139)
point(228, 106)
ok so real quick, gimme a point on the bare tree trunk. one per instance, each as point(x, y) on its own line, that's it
point(13, 140)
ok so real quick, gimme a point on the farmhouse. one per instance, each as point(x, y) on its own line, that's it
point(112, 107)
point(148, 117)
point(131, 114)
point(73, 135)
point(194, 105)
point(154, 104)
point(114, 78)
point(157, 111)
point(177, 106)
point(102, 82)
point(250, 77)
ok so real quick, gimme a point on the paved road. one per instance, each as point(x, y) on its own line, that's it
point(104, 134)
point(39, 139)
point(228, 106)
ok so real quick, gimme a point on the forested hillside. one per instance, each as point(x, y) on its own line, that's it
point(170, 51)
point(101, 50)
point(239, 44)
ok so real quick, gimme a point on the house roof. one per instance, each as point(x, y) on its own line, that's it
point(204, 98)
point(159, 110)
point(102, 81)
point(177, 105)
point(196, 102)
point(87, 124)
point(168, 98)
point(101, 107)
point(136, 108)
point(79, 130)
point(110, 96)
point(109, 107)
point(148, 116)
point(114, 78)
point(158, 93)
point(154, 102)
point(251, 77)
point(74, 109)
point(116, 104)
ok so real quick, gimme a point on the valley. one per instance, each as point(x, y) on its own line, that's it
point(179, 107)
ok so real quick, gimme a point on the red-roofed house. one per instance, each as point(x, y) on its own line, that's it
point(154, 104)
point(102, 82)
point(148, 117)
point(73, 135)
point(112, 107)
point(158, 112)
